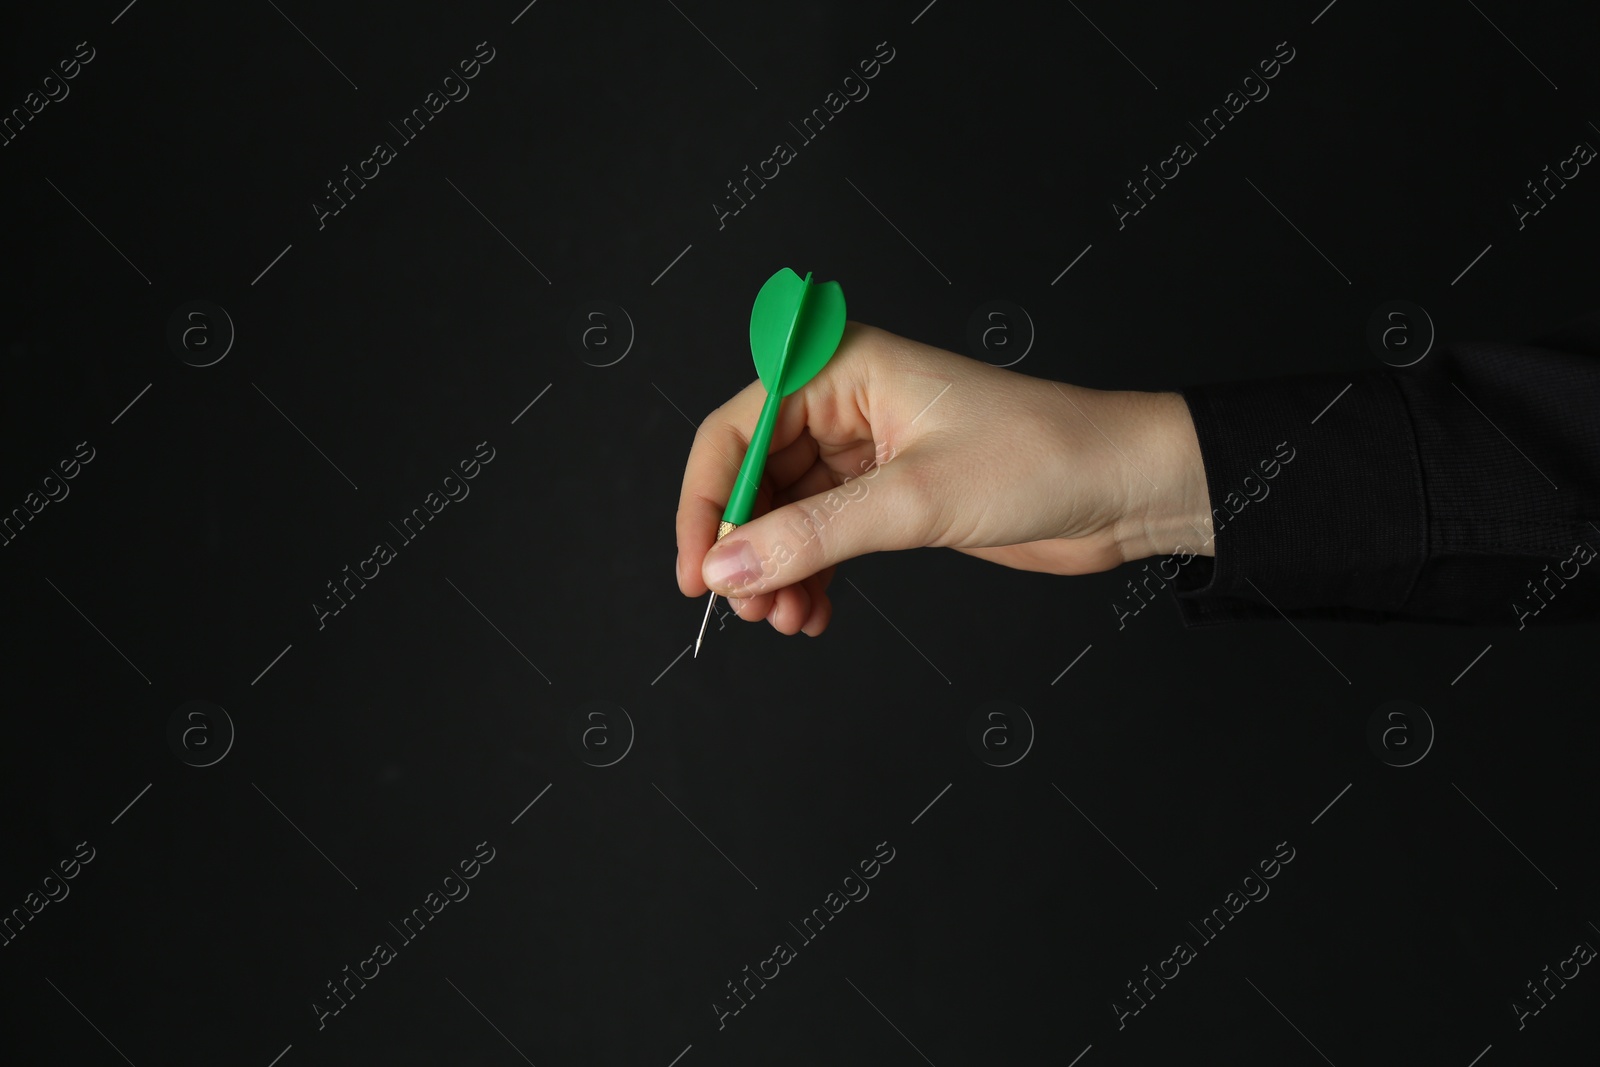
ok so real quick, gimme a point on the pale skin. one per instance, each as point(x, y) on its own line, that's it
point(897, 444)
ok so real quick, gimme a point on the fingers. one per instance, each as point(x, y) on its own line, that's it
point(714, 458)
point(786, 465)
point(801, 608)
point(765, 605)
point(792, 610)
point(821, 611)
point(784, 468)
point(805, 606)
point(713, 465)
point(883, 510)
point(687, 570)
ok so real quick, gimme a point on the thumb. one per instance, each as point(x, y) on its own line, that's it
point(879, 511)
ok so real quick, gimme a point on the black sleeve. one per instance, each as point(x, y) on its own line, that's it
point(1464, 489)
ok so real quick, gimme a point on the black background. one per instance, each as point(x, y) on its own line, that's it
point(411, 727)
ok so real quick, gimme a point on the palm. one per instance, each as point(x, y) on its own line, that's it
point(1083, 555)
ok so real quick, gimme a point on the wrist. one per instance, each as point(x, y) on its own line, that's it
point(1168, 506)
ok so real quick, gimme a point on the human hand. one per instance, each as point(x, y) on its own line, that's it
point(897, 444)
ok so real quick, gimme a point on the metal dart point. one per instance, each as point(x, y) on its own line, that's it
point(702, 636)
point(723, 529)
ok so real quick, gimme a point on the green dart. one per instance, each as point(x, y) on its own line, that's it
point(795, 328)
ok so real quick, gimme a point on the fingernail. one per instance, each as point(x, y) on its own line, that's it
point(731, 564)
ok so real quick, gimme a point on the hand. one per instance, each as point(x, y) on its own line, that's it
point(896, 444)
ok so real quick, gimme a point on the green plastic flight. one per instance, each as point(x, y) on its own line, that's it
point(795, 327)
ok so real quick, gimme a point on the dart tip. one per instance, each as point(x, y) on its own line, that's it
point(701, 636)
point(723, 529)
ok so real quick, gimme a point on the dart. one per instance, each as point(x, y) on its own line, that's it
point(795, 328)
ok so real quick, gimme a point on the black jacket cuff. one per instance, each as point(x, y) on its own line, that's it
point(1316, 496)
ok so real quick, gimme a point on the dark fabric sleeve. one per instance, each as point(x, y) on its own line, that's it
point(1464, 489)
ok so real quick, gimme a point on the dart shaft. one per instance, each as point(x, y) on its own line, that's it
point(743, 499)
